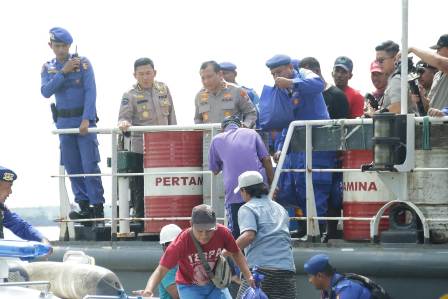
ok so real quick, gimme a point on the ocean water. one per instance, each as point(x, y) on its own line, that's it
point(50, 232)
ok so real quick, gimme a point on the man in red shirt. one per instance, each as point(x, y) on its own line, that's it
point(342, 72)
point(191, 278)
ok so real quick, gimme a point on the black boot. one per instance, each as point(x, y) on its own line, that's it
point(84, 213)
point(98, 212)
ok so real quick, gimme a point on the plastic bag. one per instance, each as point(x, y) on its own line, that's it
point(257, 292)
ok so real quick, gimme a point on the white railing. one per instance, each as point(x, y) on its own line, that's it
point(311, 218)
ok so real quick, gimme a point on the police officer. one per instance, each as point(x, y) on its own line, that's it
point(71, 80)
point(333, 285)
point(11, 220)
point(147, 103)
point(305, 89)
point(219, 99)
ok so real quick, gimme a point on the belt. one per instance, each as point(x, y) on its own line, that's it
point(70, 112)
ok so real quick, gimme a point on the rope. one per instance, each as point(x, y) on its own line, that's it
point(426, 136)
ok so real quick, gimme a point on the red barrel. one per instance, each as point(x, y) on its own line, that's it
point(364, 194)
point(172, 195)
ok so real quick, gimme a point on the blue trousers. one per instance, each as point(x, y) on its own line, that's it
point(209, 291)
point(79, 154)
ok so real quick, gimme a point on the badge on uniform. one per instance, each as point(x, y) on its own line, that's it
point(124, 101)
point(227, 96)
point(52, 70)
point(165, 103)
point(205, 116)
point(139, 96)
point(145, 114)
point(85, 65)
point(203, 97)
point(295, 101)
point(227, 113)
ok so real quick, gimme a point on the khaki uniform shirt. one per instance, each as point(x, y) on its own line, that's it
point(151, 107)
point(229, 100)
point(438, 95)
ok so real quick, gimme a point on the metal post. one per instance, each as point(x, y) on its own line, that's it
point(311, 224)
point(64, 209)
point(123, 200)
point(404, 57)
point(113, 229)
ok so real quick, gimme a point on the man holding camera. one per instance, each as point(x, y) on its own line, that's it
point(387, 58)
point(438, 95)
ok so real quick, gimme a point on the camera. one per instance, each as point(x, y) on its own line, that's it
point(372, 101)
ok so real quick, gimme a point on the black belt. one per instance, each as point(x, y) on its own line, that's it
point(70, 112)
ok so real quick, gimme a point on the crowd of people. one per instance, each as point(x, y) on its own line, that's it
point(257, 225)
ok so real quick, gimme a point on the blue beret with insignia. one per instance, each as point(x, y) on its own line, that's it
point(7, 175)
point(278, 60)
point(227, 66)
point(316, 264)
point(60, 35)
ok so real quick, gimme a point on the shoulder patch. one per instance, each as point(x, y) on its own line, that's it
point(124, 101)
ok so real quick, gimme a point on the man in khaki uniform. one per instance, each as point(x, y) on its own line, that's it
point(147, 103)
point(219, 99)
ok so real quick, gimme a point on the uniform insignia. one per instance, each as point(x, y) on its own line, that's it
point(165, 103)
point(85, 65)
point(161, 88)
point(227, 96)
point(142, 101)
point(139, 96)
point(205, 116)
point(8, 177)
point(145, 114)
point(204, 97)
point(52, 70)
point(124, 101)
point(227, 113)
point(296, 101)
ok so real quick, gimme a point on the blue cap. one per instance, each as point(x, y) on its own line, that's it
point(278, 60)
point(344, 62)
point(316, 264)
point(295, 64)
point(60, 35)
point(7, 175)
point(227, 66)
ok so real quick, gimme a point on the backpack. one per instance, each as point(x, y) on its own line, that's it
point(377, 291)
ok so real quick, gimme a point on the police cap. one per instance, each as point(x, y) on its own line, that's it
point(60, 35)
point(232, 119)
point(227, 66)
point(317, 263)
point(7, 175)
point(278, 60)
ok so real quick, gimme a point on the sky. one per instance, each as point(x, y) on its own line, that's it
point(178, 35)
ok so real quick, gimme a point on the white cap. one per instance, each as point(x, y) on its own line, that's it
point(247, 179)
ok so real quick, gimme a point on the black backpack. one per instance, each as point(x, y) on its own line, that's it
point(377, 291)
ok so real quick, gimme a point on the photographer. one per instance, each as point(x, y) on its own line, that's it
point(387, 58)
point(438, 95)
point(374, 100)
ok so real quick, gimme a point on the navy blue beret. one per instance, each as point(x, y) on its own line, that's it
point(316, 264)
point(7, 175)
point(60, 35)
point(227, 66)
point(278, 60)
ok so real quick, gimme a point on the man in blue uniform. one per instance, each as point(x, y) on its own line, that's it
point(333, 285)
point(11, 220)
point(71, 80)
point(305, 89)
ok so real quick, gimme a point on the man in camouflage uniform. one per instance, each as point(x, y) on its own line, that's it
point(219, 99)
point(147, 103)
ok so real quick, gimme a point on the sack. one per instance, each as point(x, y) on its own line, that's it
point(257, 292)
point(377, 291)
point(287, 193)
point(276, 110)
point(222, 274)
